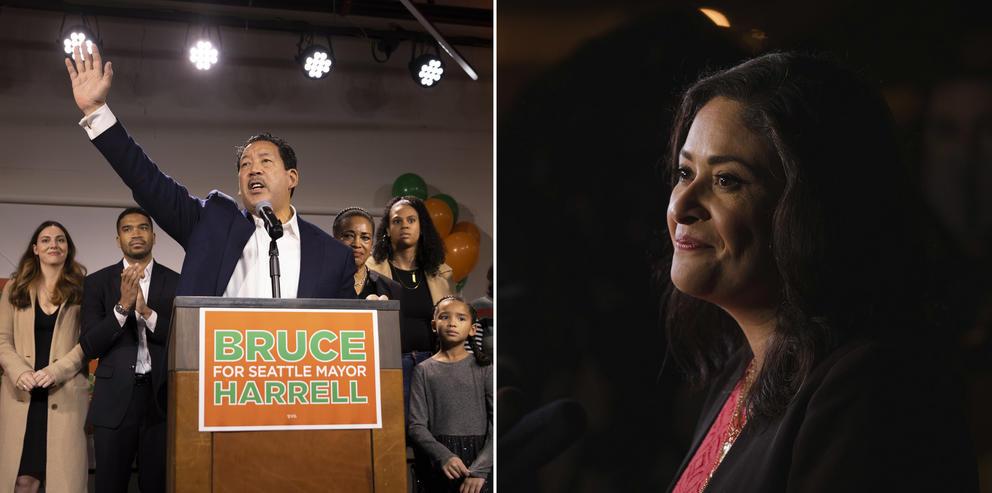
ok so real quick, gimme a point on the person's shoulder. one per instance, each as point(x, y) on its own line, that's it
point(160, 268)
point(425, 366)
point(313, 232)
point(866, 357)
point(381, 268)
point(106, 271)
point(311, 228)
point(880, 371)
point(218, 198)
point(482, 302)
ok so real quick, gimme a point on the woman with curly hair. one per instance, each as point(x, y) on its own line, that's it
point(796, 291)
point(408, 249)
point(45, 391)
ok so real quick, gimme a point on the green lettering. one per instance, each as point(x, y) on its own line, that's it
point(220, 393)
point(357, 399)
point(274, 392)
point(335, 395)
point(315, 340)
point(250, 394)
point(227, 345)
point(282, 345)
point(297, 392)
point(318, 392)
point(259, 343)
point(352, 345)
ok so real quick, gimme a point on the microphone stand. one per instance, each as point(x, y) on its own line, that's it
point(274, 266)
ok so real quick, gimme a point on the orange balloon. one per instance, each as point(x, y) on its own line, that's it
point(467, 227)
point(441, 215)
point(461, 252)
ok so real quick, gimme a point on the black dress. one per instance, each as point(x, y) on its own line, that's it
point(33, 455)
point(416, 311)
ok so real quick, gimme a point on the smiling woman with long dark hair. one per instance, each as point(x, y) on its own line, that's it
point(795, 292)
point(45, 391)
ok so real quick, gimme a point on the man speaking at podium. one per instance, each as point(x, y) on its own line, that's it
point(226, 247)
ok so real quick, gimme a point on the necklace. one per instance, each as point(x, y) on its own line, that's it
point(737, 421)
point(413, 275)
point(362, 282)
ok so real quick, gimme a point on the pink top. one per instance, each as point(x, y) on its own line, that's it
point(698, 471)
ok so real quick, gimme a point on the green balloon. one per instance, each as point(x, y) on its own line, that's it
point(461, 284)
point(451, 203)
point(410, 184)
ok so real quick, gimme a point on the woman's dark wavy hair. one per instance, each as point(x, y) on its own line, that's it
point(68, 287)
point(480, 356)
point(841, 239)
point(430, 246)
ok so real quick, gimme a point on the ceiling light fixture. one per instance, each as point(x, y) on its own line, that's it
point(203, 54)
point(426, 69)
point(315, 60)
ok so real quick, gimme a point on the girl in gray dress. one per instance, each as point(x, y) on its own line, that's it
point(451, 406)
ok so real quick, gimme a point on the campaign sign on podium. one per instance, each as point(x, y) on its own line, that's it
point(288, 369)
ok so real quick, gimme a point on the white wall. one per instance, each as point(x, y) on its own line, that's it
point(353, 133)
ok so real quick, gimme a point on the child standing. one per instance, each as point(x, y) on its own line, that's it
point(451, 406)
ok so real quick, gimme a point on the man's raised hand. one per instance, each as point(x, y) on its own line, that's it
point(90, 78)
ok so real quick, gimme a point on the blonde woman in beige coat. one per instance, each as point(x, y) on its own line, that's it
point(43, 403)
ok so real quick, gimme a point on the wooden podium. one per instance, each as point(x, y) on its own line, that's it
point(352, 461)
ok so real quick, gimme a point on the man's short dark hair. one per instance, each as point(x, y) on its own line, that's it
point(133, 210)
point(286, 152)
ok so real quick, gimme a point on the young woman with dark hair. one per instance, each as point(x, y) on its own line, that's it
point(409, 250)
point(796, 291)
point(45, 391)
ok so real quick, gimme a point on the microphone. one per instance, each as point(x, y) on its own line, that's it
point(273, 225)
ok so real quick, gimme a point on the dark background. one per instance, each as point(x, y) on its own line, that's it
point(585, 92)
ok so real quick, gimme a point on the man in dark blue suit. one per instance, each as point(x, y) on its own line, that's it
point(226, 246)
point(125, 314)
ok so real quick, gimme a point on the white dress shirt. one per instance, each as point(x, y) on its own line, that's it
point(251, 275)
point(143, 363)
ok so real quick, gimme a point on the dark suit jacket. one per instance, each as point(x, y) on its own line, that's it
point(868, 418)
point(214, 231)
point(103, 337)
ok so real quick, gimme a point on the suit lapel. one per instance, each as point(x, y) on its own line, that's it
point(241, 230)
point(57, 334)
point(155, 288)
point(311, 258)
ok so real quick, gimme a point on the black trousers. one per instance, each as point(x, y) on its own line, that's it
point(142, 433)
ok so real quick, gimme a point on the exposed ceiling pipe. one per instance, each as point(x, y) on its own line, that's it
point(450, 50)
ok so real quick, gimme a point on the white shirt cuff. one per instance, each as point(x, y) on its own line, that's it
point(98, 122)
point(120, 318)
point(150, 321)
